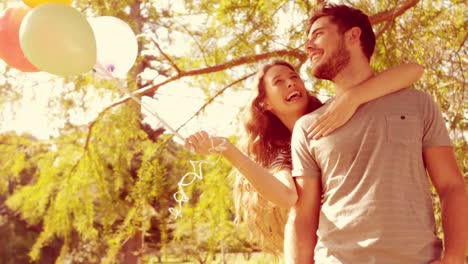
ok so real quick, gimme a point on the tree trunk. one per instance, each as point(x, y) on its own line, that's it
point(132, 249)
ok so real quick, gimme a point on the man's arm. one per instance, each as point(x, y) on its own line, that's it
point(300, 235)
point(443, 170)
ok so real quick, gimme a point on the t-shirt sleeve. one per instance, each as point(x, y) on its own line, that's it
point(303, 161)
point(282, 160)
point(435, 132)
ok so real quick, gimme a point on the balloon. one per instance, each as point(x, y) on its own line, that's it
point(116, 44)
point(34, 3)
point(58, 39)
point(10, 49)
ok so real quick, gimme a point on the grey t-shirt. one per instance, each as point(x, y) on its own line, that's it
point(377, 205)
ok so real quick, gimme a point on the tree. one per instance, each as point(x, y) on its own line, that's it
point(19, 156)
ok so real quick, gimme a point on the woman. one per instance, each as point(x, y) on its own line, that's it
point(263, 196)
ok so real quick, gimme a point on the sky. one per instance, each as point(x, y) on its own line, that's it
point(31, 113)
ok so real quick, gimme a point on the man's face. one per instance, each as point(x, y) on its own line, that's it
point(326, 49)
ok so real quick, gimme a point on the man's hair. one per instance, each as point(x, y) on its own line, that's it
point(346, 17)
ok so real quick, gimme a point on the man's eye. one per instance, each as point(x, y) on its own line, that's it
point(277, 82)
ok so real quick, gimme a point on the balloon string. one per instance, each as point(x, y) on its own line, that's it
point(197, 173)
point(197, 166)
point(107, 72)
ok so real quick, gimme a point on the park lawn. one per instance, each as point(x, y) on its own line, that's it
point(256, 258)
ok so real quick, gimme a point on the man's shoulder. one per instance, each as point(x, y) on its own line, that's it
point(404, 96)
point(410, 92)
point(309, 118)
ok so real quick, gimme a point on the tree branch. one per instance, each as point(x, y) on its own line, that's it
point(197, 42)
point(5, 211)
point(384, 28)
point(390, 14)
point(149, 90)
point(166, 56)
point(212, 99)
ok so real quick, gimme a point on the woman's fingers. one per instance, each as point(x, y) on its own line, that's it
point(193, 143)
point(204, 134)
point(325, 127)
point(203, 143)
point(330, 129)
point(337, 114)
point(203, 140)
point(189, 144)
point(329, 125)
point(202, 137)
point(200, 142)
point(317, 126)
point(193, 139)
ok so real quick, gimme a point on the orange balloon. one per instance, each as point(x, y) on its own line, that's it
point(10, 48)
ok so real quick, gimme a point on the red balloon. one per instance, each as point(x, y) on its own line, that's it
point(10, 49)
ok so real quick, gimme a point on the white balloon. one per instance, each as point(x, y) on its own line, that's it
point(116, 45)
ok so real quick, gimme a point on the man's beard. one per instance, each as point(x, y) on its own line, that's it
point(338, 60)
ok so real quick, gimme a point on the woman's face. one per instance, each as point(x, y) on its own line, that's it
point(286, 96)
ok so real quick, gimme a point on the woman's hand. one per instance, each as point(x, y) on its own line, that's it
point(341, 109)
point(203, 143)
point(344, 106)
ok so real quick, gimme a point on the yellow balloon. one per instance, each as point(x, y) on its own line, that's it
point(58, 39)
point(33, 3)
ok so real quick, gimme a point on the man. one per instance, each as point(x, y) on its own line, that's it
point(371, 173)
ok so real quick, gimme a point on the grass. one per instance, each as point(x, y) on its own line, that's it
point(256, 258)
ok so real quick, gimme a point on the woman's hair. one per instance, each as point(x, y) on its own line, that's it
point(268, 143)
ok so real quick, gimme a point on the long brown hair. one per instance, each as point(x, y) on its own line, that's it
point(268, 144)
point(267, 136)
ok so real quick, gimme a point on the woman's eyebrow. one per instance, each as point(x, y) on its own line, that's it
point(291, 72)
point(275, 77)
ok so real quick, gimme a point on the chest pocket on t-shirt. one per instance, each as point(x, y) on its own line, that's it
point(402, 128)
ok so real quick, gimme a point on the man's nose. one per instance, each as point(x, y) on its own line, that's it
point(310, 46)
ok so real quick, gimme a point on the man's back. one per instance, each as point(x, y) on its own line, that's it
point(377, 203)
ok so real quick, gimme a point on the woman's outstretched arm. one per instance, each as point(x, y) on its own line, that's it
point(343, 107)
point(277, 187)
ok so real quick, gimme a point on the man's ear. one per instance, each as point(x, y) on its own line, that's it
point(354, 35)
